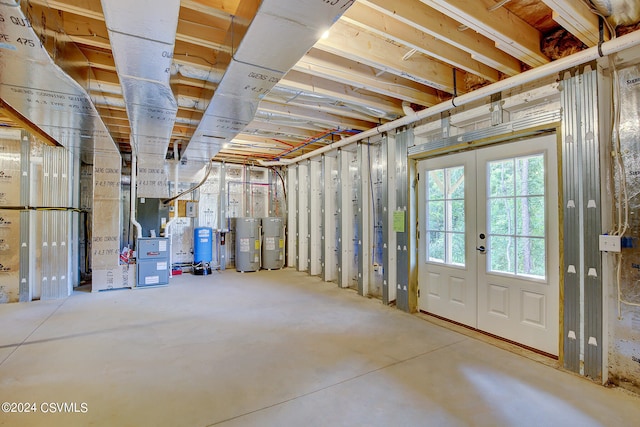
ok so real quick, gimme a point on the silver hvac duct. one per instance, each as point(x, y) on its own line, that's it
point(281, 32)
point(39, 89)
point(142, 35)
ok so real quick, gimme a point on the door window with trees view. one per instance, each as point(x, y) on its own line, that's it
point(516, 216)
point(445, 216)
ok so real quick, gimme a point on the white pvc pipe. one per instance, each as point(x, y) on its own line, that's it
point(134, 173)
point(582, 57)
point(176, 168)
point(167, 227)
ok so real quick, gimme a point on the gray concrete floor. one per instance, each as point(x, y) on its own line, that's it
point(273, 348)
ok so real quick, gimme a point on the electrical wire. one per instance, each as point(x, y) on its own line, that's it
point(592, 9)
point(206, 176)
point(284, 187)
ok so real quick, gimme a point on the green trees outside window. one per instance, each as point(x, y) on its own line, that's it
point(515, 226)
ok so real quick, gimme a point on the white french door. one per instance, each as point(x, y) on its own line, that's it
point(489, 243)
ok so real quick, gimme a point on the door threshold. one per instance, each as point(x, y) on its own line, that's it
point(503, 343)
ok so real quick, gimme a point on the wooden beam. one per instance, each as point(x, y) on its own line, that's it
point(364, 47)
point(295, 80)
point(275, 130)
point(26, 124)
point(99, 58)
point(577, 18)
point(88, 8)
point(224, 9)
point(510, 33)
point(199, 35)
point(361, 76)
point(390, 28)
point(316, 116)
point(445, 28)
point(334, 108)
point(84, 30)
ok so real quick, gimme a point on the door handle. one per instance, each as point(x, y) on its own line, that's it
point(481, 249)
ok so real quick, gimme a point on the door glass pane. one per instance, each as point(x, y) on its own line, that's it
point(501, 251)
point(445, 216)
point(455, 177)
point(516, 216)
point(436, 215)
point(457, 216)
point(501, 215)
point(436, 184)
point(501, 179)
point(531, 216)
point(531, 256)
point(435, 246)
point(533, 169)
point(457, 245)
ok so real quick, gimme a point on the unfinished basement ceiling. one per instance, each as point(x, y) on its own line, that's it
point(379, 58)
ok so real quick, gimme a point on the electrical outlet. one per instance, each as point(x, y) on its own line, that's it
point(609, 243)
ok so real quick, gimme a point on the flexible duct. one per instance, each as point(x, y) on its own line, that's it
point(608, 48)
point(211, 75)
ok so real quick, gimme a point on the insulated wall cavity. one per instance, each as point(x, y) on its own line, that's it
point(258, 193)
point(9, 255)
point(181, 229)
point(209, 201)
point(624, 348)
point(234, 186)
point(277, 193)
point(9, 220)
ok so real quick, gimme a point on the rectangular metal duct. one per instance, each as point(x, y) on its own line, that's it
point(35, 86)
point(142, 35)
point(279, 35)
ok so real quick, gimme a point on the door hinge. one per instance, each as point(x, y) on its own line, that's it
point(418, 292)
